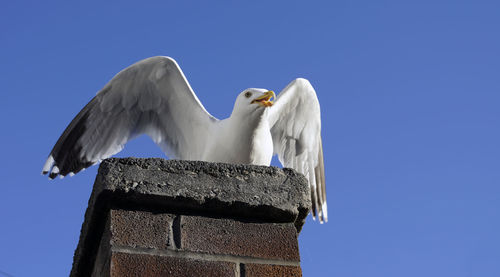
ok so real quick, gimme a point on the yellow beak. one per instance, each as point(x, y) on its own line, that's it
point(265, 100)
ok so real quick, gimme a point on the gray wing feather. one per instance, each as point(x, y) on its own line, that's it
point(295, 122)
point(150, 97)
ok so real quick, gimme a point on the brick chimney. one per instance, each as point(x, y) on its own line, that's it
point(156, 217)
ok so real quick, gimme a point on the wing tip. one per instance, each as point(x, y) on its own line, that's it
point(324, 211)
point(53, 172)
point(49, 163)
point(320, 213)
point(50, 168)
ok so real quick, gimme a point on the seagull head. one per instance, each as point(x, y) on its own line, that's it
point(253, 99)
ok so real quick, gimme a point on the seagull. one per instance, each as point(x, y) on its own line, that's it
point(153, 97)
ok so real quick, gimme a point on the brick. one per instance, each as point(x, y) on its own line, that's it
point(258, 270)
point(140, 229)
point(125, 264)
point(233, 237)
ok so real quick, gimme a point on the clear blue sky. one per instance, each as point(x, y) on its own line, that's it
point(410, 96)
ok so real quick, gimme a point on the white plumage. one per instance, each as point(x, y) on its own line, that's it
point(153, 97)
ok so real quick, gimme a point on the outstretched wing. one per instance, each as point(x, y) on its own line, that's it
point(296, 130)
point(152, 97)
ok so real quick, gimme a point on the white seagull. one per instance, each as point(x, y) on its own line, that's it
point(153, 97)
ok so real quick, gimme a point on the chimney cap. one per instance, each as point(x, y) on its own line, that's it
point(248, 191)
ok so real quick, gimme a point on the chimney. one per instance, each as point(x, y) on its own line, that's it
point(156, 217)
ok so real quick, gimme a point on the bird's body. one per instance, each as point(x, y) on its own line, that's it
point(250, 129)
point(153, 97)
point(235, 131)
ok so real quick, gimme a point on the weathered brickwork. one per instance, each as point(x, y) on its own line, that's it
point(133, 265)
point(139, 225)
point(233, 237)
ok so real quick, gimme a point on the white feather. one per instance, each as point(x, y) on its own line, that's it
point(296, 129)
point(48, 165)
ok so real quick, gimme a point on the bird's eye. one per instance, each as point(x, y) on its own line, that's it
point(248, 94)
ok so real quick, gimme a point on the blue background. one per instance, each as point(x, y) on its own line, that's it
point(409, 91)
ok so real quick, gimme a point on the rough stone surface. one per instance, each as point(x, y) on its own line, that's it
point(140, 229)
point(243, 190)
point(233, 237)
point(126, 264)
point(259, 270)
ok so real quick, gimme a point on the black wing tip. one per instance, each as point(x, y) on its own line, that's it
point(319, 212)
point(51, 176)
point(67, 157)
point(53, 168)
